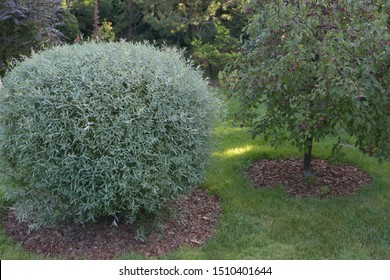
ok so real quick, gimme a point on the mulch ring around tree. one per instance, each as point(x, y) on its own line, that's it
point(192, 220)
point(329, 180)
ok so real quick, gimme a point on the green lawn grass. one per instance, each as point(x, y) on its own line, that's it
point(268, 224)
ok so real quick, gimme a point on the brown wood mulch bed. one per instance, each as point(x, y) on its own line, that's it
point(192, 221)
point(329, 180)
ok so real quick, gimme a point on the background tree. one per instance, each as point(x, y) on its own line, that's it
point(180, 22)
point(26, 24)
point(234, 15)
point(319, 68)
point(127, 20)
point(84, 11)
point(215, 55)
point(96, 21)
point(105, 32)
point(70, 28)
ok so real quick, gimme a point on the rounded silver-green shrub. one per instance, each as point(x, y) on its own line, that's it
point(97, 130)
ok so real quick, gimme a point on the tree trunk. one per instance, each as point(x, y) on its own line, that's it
point(129, 9)
point(96, 22)
point(307, 159)
point(211, 70)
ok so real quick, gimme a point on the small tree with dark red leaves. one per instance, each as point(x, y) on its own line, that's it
point(319, 68)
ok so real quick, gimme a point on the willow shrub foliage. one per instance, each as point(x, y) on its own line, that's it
point(103, 130)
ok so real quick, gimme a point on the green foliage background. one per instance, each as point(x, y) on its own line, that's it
point(173, 22)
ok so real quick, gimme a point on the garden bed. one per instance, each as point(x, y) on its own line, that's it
point(192, 221)
point(329, 180)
